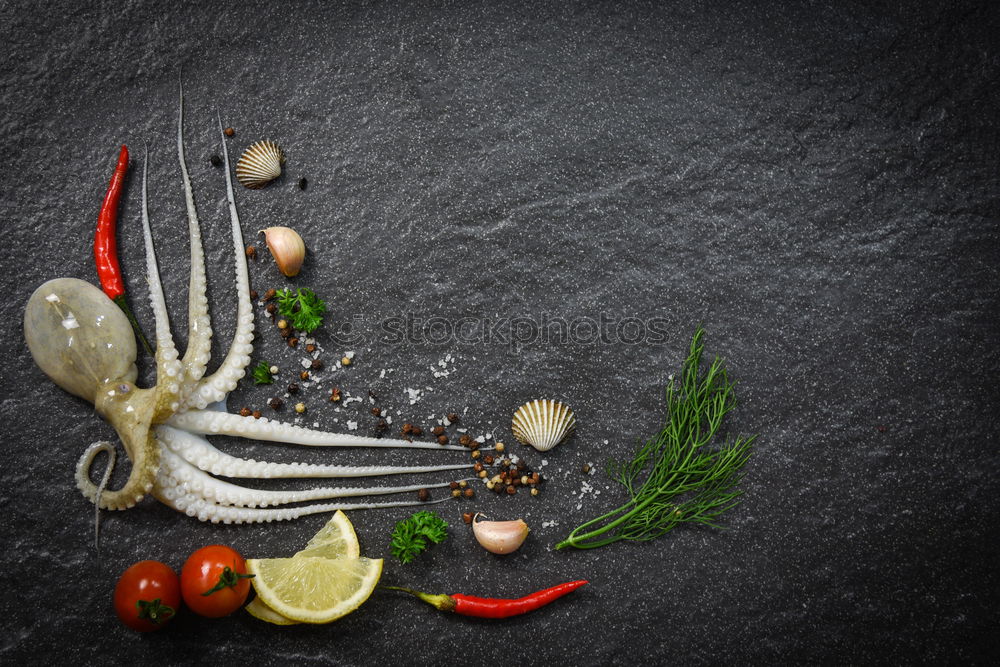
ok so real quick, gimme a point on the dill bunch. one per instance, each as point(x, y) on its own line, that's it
point(676, 476)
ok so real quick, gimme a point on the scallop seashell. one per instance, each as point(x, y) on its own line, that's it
point(543, 424)
point(260, 164)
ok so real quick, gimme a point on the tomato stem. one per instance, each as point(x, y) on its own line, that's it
point(228, 579)
point(155, 611)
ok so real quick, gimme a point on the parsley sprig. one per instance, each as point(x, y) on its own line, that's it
point(410, 537)
point(303, 309)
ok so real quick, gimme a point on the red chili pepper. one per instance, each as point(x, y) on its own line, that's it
point(468, 605)
point(105, 245)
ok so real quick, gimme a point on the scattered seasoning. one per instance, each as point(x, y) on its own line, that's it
point(300, 407)
point(257, 414)
point(346, 361)
point(293, 389)
point(253, 295)
point(534, 491)
point(463, 484)
point(317, 365)
point(453, 485)
point(293, 341)
point(215, 160)
point(467, 605)
point(488, 458)
point(271, 308)
point(303, 183)
point(476, 453)
point(438, 430)
point(245, 412)
point(469, 493)
point(467, 517)
point(455, 493)
point(423, 495)
point(310, 348)
point(381, 427)
point(483, 473)
point(478, 467)
point(453, 417)
point(511, 489)
point(465, 440)
point(585, 469)
point(417, 431)
point(229, 131)
point(251, 252)
point(276, 403)
point(442, 439)
point(269, 294)
point(499, 447)
point(304, 375)
point(282, 324)
point(377, 412)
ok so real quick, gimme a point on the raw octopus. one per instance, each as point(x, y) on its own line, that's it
point(84, 343)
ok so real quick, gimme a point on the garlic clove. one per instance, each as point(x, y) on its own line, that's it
point(499, 537)
point(287, 248)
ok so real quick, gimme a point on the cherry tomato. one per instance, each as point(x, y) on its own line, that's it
point(214, 581)
point(147, 596)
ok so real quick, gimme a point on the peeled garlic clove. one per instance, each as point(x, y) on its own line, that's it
point(499, 537)
point(287, 248)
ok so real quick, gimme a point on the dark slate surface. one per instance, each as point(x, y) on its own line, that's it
point(817, 185)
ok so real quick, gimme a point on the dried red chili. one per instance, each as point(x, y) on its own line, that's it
point(105, 245)
point(468, 605)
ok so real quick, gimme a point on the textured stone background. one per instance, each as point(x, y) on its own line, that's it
point(817, 184)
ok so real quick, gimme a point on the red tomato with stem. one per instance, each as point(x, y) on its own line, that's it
point(147, 596)
point(214, 581)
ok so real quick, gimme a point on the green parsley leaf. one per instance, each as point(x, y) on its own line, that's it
point(262, 374)
point(302, 308)
point(410, 537)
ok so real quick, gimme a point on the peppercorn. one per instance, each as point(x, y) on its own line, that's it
point(300, 407)
point(423, 495)
point(465, 440)
point(253, 295)
point(256, 414)
point(293, 341)
point(310, 348)
point(303, 183)
point(215, 160)
point(467, 517)
point(535, 478)
point(453, 417)
point(377, 412)
point(229, 131)
point(478, 467)
point(534, 491)
point(381, 426)
point(499, 447)
point(275, 403)
point(271, 308)
point(245, 412)
point(456, 493)
point(407, 428)
point(476, 453)
point(443, 439)
point(483, 473)
point(335, 394)
point(286, 332)
point(251, 252)
point(469, 493)
point(346, 361)
point(473, 445)
point(511, 489)
point(293, 389)
point(488, 458)
point(437, 430)
point(317, 365)
point(416, 430)
point(453, 485)
point(585, 469)
point(270, 294)
point(304, 375)
point(463, 484)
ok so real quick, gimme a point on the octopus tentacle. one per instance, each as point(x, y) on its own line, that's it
point(183, 500)
point(226, 493)
point(168, 366)
point(215, 387)
point(199, 344)
point(212, 422)
point(197, 450)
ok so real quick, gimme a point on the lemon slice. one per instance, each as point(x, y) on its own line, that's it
point(314, 590)
point(336, 539)
point(261, 611)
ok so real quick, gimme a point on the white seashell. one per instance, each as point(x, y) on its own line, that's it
point(543, 424)
point(260, 164)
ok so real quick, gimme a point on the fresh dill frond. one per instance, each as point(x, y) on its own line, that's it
point(262, 373)
point(676, 476)
point(411, 536)
point(303, 309)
